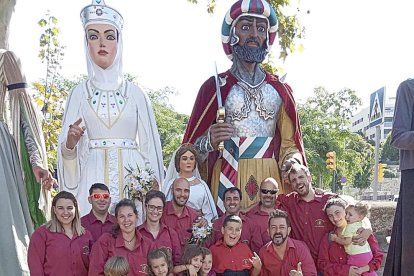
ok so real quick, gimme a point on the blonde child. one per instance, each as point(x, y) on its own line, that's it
point(160, 262)
point(356, 217)
point(116, 266)
point(192, 261)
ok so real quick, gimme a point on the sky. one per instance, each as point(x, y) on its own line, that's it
point(359, 44)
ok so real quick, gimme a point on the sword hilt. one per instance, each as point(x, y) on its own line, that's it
point(221, 114)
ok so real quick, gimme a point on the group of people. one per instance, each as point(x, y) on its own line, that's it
point(241, 168)
point(332, 237)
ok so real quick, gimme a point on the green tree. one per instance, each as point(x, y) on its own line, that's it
point(389, 154)
point(290, 30)
point(171, 124)
point(51, 91)
point(324, 122)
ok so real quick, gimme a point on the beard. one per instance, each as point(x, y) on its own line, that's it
point(178, 202)
point(278, 239)
point(250, 54)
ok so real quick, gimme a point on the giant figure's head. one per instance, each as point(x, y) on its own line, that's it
point(249, 30)
point(103, 41)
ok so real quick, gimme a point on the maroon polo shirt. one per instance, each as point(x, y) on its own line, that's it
point(52, 253)
point(166, 237)
point(248, 236)
point(332, 257)
point(183, 224)
point(308, 221)
point(107, 246)
point(260, 220)
point(236, 258)
point(296, 251)
point(95, 226)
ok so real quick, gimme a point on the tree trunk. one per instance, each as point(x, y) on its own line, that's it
point(6, 10)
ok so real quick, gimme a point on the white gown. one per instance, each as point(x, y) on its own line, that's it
point(120, 132)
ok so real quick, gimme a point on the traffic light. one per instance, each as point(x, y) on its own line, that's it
point(381, 168)
point(331, 161)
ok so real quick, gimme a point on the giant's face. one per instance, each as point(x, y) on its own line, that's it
point(252, 36)
point(252, 31)
point(187, 162)
point(102, 44)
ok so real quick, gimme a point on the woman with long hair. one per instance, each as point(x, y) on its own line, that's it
point(184, 164)
point(62, 245)
point(124, 241)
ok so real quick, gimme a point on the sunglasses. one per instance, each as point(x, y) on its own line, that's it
point(153, 208)
point(265, 191)
point(100, 195)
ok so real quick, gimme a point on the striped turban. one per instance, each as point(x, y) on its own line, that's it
point(254, 8)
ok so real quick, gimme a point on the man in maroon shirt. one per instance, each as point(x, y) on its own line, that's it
point(232, 205)
point(283, 255)
point(230, 256)
point(99, 221)
point(177, 215)
point(305, 207)
point(259, 214)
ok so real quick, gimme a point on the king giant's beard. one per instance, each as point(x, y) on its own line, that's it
point(250, 54)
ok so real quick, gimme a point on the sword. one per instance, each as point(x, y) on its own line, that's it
point(221, 112)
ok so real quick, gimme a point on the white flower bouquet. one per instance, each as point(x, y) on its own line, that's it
point(200, 234)
point(138, 182)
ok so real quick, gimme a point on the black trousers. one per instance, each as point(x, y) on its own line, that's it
point(400, 257)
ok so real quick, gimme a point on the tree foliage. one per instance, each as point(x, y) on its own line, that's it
point(389, 154)
point(52, 90)
point(290, 30)
point(324, 122)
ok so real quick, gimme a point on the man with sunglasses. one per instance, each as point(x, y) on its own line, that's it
point(99, 220)
point(268, 193)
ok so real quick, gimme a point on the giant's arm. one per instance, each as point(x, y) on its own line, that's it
point(402, 134)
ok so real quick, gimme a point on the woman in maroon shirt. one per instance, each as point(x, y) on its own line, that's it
point(159, 233)
point(125, 241)
point(332, 258)
point(61, 246)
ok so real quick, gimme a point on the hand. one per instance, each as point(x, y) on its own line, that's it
point(44, 177)
point(362, 236)
point(353, 271)
point(220, 132)
point(285, 169)
point(297, 272)
point(333, 237)
point(200, 222)
point(319, 191)
point(75, 132)
point(191, 270)
point(256, 262)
